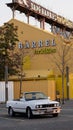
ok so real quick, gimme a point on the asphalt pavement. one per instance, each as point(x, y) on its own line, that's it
point(63, 122)
point(67, 104)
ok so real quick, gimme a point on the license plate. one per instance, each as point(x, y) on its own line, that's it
point(56, 111)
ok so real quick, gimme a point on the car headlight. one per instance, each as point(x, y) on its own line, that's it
point(38, 106)
point(56, 105)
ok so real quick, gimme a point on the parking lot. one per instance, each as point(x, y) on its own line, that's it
point(63, 122)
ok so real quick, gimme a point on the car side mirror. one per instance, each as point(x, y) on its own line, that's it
point(22, 99)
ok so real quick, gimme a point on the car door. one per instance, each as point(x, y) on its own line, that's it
point(19, 106)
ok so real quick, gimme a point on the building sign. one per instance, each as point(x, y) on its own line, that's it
point(51, 15)
point(41, 47)
point(45, 51)
point(23, 2)
point(39, 44)
point(45, 12)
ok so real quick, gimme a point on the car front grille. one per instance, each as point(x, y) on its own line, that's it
point(48, 105)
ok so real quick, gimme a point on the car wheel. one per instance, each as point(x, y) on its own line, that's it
point(29, 113)
point(11, 112)
point(55, 115)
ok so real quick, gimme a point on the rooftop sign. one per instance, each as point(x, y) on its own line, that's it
point(22, 2)
point(45, 12)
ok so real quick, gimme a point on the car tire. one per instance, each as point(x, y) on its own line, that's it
point(11, 112)
point(29, 113)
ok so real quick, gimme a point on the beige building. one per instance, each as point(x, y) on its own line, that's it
point(40, 62)
point(45, 54)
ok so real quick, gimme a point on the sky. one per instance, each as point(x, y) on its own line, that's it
point(61, 7)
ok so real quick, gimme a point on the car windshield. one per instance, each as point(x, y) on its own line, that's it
point(35, 96)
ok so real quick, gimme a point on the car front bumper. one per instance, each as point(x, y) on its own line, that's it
point(46, 111)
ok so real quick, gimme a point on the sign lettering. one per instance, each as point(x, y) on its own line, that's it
point(38, 44)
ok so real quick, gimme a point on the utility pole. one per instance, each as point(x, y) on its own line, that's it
point(6, 82)
point(67, 81)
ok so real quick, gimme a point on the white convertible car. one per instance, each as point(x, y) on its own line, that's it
point(33, 103)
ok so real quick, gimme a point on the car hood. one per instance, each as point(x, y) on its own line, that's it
point(42, 101)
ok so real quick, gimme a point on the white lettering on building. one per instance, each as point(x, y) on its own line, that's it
point(39, 9)
point(38, 44)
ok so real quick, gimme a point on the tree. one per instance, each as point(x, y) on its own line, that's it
point(21, 56)
point(62, 59)
point(8, 39)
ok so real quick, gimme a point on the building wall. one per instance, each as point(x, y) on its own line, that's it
point(37, 62)
point(30, 33)
point(59, 87)
point(71, 86)
point(45, 86)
